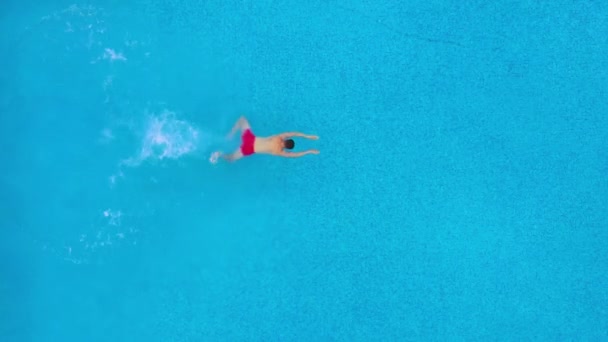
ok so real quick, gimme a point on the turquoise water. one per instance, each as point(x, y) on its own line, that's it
point(460, 193)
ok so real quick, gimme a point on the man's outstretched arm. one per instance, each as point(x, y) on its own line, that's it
point(297, 134)
point(298, 154)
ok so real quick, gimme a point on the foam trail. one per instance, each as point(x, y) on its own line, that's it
point(167, 137)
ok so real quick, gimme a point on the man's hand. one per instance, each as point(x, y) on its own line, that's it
point(312, 137)
point(214, 157)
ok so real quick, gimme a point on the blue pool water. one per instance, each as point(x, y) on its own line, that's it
point(461, 192)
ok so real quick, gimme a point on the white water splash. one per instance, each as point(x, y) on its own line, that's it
point(113, 216)
point(167, 137)
point(85, 36)
point(74, 11)
point(112, 55)
point(104, 235)
point(62, 46)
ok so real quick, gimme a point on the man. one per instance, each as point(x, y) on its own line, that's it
point(274, 145)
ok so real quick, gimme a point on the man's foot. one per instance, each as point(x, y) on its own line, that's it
point(214, 157)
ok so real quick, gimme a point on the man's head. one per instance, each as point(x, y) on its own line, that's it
point(288, 144)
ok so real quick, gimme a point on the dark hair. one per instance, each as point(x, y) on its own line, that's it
point(289, 144)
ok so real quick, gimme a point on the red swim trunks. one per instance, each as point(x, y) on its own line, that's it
point(247, 142)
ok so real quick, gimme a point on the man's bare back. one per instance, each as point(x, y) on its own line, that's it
point(273, 145)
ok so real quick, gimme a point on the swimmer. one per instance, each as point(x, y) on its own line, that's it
point(273, 145)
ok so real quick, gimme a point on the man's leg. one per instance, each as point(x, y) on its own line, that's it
point(241, 124)
point(236, 155)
